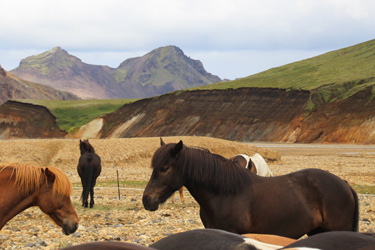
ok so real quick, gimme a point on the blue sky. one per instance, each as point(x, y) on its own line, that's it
point(233, 38)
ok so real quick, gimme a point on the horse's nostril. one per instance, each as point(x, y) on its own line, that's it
point(145, 200)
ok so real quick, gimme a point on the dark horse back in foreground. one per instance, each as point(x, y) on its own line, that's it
point(232, 198)
point(24, 185)
point(89, 168)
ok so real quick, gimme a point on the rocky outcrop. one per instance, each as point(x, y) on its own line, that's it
point(351, 120)
point(22, 120)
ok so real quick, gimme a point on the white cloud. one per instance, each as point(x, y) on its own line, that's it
point(106, 30)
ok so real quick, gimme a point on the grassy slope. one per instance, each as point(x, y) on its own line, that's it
point(350, 64)
point(73, 114)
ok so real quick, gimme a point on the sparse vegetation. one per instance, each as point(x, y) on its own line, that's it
point(364, 189)
point(74, 114)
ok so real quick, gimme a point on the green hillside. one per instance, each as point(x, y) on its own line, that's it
point(337, 74)
point(73, 114)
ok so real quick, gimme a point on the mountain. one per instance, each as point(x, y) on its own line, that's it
point(162, 70)
point(12, 87)
point(324, 99)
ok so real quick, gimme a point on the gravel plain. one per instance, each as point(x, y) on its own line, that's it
point(124, 218)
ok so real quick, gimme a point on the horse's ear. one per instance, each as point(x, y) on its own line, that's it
point(161, 142)
point(80, 141)
point(176, 150)
point(50, 176)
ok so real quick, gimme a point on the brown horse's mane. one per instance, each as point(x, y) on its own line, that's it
point(201, 167)
point(28, 178)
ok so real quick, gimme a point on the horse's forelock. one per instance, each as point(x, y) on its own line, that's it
point(62, 185)
point(162, 155)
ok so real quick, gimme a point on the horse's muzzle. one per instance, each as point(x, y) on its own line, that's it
point(69, 228)
point(148, 204)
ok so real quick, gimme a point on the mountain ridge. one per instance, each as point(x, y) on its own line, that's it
point(162, 70)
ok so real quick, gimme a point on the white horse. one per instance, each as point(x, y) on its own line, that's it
point(255, 164)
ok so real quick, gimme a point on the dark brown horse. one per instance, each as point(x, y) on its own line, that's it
point(107, 245)
point(23, 186)
point(335, 240)
point(234, 199)
point(210, 239)
point(89, 168)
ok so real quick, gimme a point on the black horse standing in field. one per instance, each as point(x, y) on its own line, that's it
point(89, 168)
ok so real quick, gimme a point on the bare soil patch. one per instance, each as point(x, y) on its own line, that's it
point(125, 219)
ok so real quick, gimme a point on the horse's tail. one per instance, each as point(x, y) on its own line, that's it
point(356, 211)
point(88, 176)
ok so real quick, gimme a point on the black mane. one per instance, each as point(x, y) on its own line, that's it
point(200, 167)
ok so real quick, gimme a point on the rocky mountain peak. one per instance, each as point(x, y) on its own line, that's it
point(2, 72)
point(49, 60)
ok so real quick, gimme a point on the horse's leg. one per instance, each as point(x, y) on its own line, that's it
point(91, 197)
point(181, 191)
point(84, 201)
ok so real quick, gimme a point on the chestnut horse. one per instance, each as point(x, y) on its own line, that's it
point(23, 186)
point(89, 168)
point(234, 199)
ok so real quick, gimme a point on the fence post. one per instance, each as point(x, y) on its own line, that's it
point(118, 185)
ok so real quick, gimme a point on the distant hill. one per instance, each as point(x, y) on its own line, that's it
point(12, 87)
point(332, 76)
point(162, 70)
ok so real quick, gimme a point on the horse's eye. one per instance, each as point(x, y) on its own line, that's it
point(164, 169)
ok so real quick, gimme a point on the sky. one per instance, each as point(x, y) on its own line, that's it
point(232, 38)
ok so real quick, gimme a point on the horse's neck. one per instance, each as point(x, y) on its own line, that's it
point(15, 202)
point(199, 194)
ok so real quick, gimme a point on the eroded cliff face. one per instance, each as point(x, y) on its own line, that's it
point(246, 114)
point(22, 120)
point(249, 114)
point(346, 121)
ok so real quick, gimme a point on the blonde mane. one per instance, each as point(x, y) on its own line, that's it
point(28, 179)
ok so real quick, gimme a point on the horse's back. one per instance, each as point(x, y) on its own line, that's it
point(308, 201)
point(342, 240)
point(210, 239)
point(337, 200)
point(105, 245)
point(89, 159)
